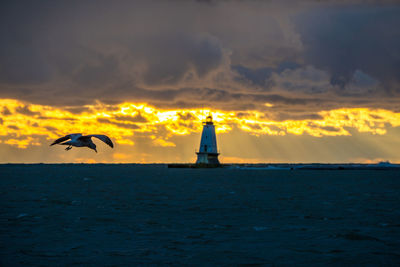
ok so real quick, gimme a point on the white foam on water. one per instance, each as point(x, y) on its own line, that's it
point(22, 215)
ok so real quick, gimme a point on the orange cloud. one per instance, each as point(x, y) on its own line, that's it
point(23, 123)
point(120, 156)
point(163, 143)
point(23, 143)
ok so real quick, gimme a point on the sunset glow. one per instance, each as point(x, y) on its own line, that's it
point(23, 123)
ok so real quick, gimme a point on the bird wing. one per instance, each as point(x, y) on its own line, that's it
point(102, 137)
point(65, 138)
point(75, 136)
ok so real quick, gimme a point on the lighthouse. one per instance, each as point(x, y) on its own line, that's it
point(208, 151)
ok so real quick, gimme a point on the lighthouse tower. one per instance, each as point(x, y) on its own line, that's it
point(208, 152)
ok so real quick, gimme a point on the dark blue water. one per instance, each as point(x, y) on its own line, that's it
point(97, 215)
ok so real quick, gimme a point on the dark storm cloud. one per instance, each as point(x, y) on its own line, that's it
point(97, 72)
point(229, 54)
point(172, 56)
point(261, 76)
point(282, 116)
point(23, 60)
point(58, 42)
point(58, 53)
point(228, 100)
point(343, 40)
point(213, 95)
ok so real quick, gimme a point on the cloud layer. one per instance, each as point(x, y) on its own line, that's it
point(190, 54)
point(22, 123)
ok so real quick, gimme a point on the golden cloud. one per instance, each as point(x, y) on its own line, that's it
point(24, 123)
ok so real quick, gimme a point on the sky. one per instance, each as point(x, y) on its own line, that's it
point(285, 81)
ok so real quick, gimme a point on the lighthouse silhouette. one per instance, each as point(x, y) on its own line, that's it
point(208, 151)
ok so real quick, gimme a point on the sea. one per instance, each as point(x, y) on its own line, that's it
point(152, 215)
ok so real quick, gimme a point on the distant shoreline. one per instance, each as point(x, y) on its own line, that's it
point(248, 166)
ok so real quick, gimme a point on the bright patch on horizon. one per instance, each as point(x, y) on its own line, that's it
point(23, 123)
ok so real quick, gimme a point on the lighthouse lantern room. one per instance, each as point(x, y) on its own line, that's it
point(208, 151)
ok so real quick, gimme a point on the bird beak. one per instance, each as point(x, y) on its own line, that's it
point(95, 150)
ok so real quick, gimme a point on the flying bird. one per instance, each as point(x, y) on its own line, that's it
point(79, 140)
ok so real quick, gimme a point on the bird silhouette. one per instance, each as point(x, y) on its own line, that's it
point(79, 140)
